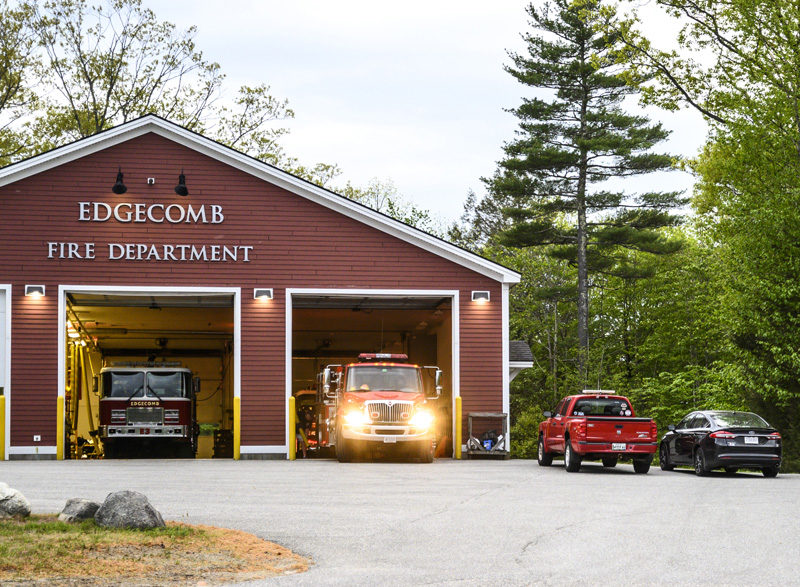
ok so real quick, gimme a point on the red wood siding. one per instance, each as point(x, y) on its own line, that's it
point(298, 244)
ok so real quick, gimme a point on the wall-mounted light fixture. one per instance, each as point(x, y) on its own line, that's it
point(119, 187)
point(35, 291)
point(262, 293)
point(181, 188)
point(480, 296)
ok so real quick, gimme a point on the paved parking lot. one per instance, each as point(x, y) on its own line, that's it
point(468, 522)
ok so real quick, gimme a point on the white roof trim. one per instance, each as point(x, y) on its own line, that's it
point(247, 164)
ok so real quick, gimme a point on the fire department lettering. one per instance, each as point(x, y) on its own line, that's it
point(144, 403)
point(157, 213)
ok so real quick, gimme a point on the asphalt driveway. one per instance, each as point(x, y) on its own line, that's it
point(466, 522)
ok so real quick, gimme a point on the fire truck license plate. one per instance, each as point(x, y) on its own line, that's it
point(389, 440)
point(617, 446)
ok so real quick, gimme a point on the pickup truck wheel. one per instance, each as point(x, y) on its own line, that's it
point(641, 466)
point(700, 467)
point(610, 462)
point(663, 458)
point(544, 458)
point(571, 460)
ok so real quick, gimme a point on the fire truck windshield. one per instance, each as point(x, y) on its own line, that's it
point(383, 378)
point(123, 384)
point(165, 384)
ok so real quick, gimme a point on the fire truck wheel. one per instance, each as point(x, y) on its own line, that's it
point(109, 451)
point(344, 451)
point(185, 451)
point(426, 452)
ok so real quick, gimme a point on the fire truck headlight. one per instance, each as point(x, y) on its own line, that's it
point(422, 419)
point(356, 418)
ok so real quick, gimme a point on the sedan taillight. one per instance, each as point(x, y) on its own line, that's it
point(775, 436)
point(722, 434)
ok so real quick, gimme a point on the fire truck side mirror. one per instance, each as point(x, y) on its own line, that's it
point(438, 382)
point(326, 382)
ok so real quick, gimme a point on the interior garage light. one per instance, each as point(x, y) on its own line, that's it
point(262, 293)
point(480, 296)
point(35, 291)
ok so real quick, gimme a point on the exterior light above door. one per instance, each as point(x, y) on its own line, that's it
point(480, 296)
point(262, 293)
point(35, 291)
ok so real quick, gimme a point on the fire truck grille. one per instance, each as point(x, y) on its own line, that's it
point(145, 415)
point(396, 413)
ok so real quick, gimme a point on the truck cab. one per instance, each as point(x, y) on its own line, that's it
point(147, 408)
point(381, 401)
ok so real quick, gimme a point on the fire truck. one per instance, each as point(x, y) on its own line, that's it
point(377, 403)
point(148, 409)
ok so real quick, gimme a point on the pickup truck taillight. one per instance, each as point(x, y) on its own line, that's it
point(653, 430)
point(582, 429)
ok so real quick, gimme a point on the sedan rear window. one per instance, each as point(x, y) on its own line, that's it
point(601, 407)
point(738, 420)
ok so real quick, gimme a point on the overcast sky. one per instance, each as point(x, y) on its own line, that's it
point(411, 92)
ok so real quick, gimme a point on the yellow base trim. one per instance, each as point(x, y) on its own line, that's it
point(60, 428)
point(457, 443)
point(292, 426)
point(2, 427)
point(237, 427)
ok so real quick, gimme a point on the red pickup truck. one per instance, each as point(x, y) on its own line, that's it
point(597, 425)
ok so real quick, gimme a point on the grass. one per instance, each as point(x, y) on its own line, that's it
point(41, 548)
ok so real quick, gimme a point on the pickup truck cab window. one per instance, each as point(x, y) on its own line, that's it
point(601, 407)
point(559, 411)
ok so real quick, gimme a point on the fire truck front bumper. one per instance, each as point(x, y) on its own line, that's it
point(139, 431)
point(386, 433)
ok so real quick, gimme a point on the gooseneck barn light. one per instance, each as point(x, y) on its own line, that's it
point(480, 296)
point(264, 293)
point(34, 291)
point(181, 188)
point(119, 187)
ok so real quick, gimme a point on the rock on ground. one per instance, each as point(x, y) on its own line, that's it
point(13, 503)
point(78, 509)
point(128, 509)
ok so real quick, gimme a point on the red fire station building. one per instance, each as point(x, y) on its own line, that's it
point(149, 242)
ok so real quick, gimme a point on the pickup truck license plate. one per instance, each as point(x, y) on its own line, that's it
point(389, 440)
point(617, 446)
point(751, 439)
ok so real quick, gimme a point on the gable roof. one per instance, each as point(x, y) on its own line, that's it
point(151, 123)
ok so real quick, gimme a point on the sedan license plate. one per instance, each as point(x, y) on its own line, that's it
point(751, 439)
point(389, 440)
point(617, 446)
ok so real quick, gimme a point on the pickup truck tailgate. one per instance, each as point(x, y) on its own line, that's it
point(617, 429)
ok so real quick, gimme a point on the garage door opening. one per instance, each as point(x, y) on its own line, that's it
point(336, 329)
point(148, 376)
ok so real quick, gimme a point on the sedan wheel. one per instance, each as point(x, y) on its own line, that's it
point(700, 468)
point(770, 471)
point(663, 458)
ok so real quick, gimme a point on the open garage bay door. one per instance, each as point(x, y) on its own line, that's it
point(165, 359)
point(335, 329)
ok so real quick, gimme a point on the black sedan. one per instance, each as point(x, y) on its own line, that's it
point(722, 439)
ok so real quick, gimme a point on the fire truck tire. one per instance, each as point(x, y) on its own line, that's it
point(344, 452)
point(184, 451)
point(426, 452)
point(109, 450)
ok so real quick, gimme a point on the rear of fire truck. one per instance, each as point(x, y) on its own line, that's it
point(148, 409)
point(380, 403)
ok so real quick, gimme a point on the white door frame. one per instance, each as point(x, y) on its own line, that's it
point(375, 293)
point(138, 291)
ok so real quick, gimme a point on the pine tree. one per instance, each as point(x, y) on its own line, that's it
point(573, 137)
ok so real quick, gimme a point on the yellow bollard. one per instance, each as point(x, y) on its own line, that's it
point(292, 426)
point(457, 443)
point(2, 427)
point(237, 427)
point(60, 428)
